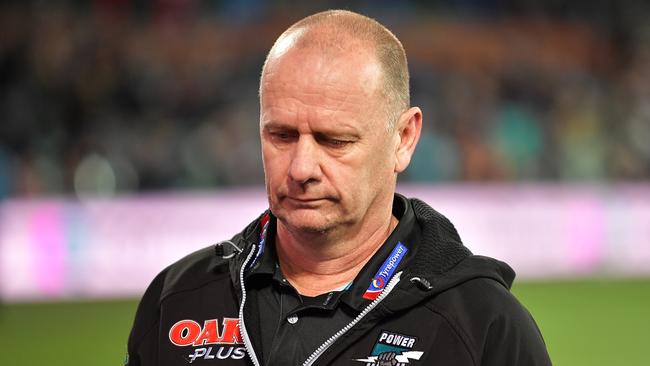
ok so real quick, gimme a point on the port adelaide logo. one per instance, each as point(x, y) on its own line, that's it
point(213, 340)
point(392, 349)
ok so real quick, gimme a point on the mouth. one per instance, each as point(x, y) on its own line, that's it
point(307, 202)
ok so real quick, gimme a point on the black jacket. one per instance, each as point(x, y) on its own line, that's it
point(448, 307)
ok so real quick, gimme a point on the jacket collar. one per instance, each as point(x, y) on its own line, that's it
point(441, 260)
point(246, 241)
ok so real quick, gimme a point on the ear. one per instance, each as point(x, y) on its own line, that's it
point(407, 132)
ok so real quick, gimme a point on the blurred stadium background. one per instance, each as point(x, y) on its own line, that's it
point(128, 138)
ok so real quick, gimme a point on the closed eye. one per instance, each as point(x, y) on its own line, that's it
point(283, 136)
point(336, 143)
point(333, 141)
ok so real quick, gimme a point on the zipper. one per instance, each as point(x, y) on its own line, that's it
point(328, 343)
point(247, 341)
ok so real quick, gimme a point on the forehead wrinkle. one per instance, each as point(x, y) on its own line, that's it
point(332, 98)
point(324, 120)
point(292, 107)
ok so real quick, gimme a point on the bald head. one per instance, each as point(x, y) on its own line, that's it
point(335, 33)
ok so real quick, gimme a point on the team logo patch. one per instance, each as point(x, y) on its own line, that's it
point(392, 349)
point(209, 341)
point(385, 272)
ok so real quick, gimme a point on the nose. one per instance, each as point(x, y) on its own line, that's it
point(305, 162)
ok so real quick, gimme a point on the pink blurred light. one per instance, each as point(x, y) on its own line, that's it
point(586, 233)
point(49, 250)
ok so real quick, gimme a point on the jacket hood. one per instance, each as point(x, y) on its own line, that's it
point(442, 261)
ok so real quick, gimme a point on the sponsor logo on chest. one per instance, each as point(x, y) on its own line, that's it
point(392, 349)
point(212, 340)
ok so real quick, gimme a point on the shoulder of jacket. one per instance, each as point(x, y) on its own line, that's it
point(194, 270)
point(481, 307)
point(477, 302)
point(208, 264)
point(482, 297)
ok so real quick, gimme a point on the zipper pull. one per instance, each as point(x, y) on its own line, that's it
point(422, 283)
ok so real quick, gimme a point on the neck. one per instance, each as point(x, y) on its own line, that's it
point(327, 262)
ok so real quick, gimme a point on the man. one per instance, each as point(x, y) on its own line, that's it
point(341, 270)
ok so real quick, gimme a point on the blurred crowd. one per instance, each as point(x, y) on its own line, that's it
point(117, 96)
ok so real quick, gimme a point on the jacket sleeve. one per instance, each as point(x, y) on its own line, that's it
point(513, 338)
point(143, 339)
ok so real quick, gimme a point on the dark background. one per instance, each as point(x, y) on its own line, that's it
point(118, 96)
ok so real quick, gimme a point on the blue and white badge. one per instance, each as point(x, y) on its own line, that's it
point(385, 272)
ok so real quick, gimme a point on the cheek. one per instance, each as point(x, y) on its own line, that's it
point(272, 159)
point(274, 170)
point(357, 178)
point(378, 168)
point(379, 161)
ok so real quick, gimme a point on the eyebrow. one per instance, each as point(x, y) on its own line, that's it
point(339, 132)
point(277, 125)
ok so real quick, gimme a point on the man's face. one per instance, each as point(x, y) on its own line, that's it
point(328, 159)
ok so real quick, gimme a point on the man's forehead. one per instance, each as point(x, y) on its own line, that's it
point(323, 106)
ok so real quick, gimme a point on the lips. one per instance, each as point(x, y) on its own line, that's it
point(306, 201)
point(306, 198)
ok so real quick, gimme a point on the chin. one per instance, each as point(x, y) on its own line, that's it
point(306, 222)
